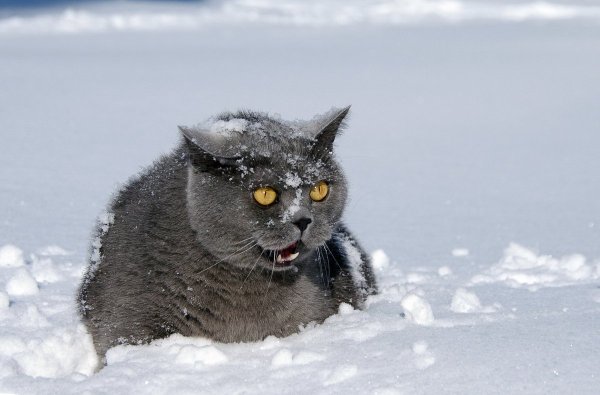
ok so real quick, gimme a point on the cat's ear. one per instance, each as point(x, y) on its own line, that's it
point(329, 127)
point(204, 148)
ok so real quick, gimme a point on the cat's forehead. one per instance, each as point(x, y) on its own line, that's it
point(287, 172)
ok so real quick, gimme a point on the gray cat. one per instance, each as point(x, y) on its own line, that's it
point(234, 236)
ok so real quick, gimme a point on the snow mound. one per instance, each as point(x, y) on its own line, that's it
point(522, 267)
point(464, 301)
point(11, 256)
point(22, 284)
point(58, 354)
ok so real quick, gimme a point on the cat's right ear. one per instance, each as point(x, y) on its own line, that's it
point(201, 146)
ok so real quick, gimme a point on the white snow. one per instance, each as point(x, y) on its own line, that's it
point(232, 125)
point(11, 256)
point(464, 301)
point(460, 252)
point(293, 207)
point(4, 300)
point(205, 355)
point(53, 250)
point(22, 284)
point(417, 309)
point(379, 260)
point(522, 267)
point(341, 373)
point(355, 260)
point(281, 358)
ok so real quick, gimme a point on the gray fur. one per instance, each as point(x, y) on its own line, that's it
point(185, 248)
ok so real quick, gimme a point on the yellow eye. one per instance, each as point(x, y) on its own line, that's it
point(319, 191)
point(265, 196)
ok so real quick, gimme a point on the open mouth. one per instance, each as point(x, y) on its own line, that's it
point(285, 256)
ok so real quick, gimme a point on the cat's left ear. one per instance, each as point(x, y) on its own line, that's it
point(331, 125)
point(207, 149)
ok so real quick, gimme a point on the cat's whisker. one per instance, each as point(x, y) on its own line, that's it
point(252, 245)
point(253, 266)
point(335, 260)
point(243, 241)
point(272, 270)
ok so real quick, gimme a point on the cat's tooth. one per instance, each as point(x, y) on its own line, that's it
point(293, 256)
point(279, 258)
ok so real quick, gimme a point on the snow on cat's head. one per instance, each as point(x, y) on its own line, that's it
point(262, 190)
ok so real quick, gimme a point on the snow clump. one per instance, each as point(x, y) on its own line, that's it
point(417, 309)
point(522, 267)
point(464, 301)
point(11, 256)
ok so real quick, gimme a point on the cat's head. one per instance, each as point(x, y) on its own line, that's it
point(262, 191)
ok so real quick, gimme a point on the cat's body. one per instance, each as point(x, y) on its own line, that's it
point(185, 248)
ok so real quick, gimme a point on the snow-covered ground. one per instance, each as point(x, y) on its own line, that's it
point(473, 154)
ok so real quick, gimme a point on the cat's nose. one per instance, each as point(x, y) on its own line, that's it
point(302, 223)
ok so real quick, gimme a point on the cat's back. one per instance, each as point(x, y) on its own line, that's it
point(145, 216)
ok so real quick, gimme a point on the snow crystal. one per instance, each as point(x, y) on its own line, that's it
point(460, 252)
point(417, 309)
point(11, 256)
point(292, 180)
point(522, 267)
point(22, 284)
point(341, 373)
point(464, 301)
